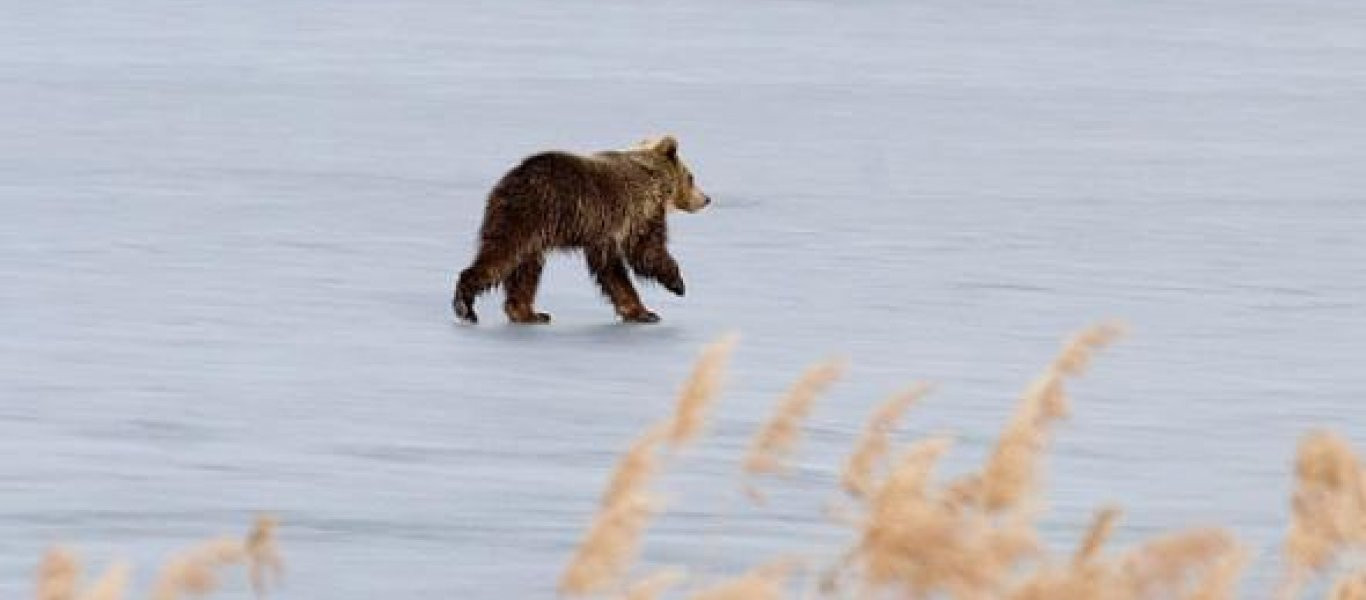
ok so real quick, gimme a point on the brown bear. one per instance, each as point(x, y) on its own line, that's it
point(610, 204)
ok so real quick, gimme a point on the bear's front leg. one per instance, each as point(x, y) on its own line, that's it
point(649, 257)
point(610, 272)
point(657, 264)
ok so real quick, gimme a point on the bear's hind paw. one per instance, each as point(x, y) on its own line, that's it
point(539, 318)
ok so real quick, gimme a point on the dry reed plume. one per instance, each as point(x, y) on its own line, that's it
point(1012, 471)
point(914, 539)
point(193, 573)
point(1221, 580)
point(1349, 587)
point(653, 585)
point(958, 539)
point(700, 391)
point(975, 536)
point(1096, 535)
point(264, 563)
point(109, 586)
point(779, 436)
point(59, 574)
point(1199, 564)
point(1328, 508)
point(605, 555)
point(766, 582)
point(860, 471)
point(1170, 565)
point(635, 468)
point(606, 552)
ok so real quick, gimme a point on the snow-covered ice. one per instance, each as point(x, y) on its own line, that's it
point(228, 232)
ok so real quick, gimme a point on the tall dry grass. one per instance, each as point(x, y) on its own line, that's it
point(766, 582)
point(860, 475)
point(1102, 527)
point(111, 585)
point(636, 467)
point(59, 574)
point(1350, 587)
point(975, 536)
point(653, 585)
point(777, 439)
point(700, 391)
point(603, 559)
point(605, 555)
point(610, 546)
point(265, 565)
point(1328, 509)
point(193, 573)
point(1011, 474)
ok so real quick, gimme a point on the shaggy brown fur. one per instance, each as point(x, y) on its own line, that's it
point(611, 204)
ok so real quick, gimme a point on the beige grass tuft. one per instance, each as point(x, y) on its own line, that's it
point(763, 583)
point(700, 390)
point(58, 575)
point(111, 585)
point(611, 545)
point(654, 585)
point(969, 538)
point(916, 541)
point(264, 563)
point(975, 537)
point(859, 476)
point(1167, 566)
point(1198, 564)
point(778, 438)
point(1328, 508)
point(1221, 580)
point(191, 574)
point(194, 572)
point(1351, 586)
point(613, 539)
point(1011, 473)
point(1101, 527)
point(636, 467)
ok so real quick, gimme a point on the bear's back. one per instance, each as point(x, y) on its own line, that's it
point(568, 199)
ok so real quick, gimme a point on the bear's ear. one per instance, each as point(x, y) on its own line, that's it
point(668, 146)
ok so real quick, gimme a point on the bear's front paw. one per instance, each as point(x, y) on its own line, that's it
point(464, 310)
point(641, 316)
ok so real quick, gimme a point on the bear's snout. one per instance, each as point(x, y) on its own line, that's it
point(706, 200)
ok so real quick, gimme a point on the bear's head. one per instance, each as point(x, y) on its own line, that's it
point(687, 196)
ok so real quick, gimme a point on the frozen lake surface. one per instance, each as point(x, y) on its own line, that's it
point(228, 232)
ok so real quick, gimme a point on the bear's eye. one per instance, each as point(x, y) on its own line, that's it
point(689, 178)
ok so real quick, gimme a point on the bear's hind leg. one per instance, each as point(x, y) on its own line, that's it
point(490, 267)
point(521, 286)
point(610, 271)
